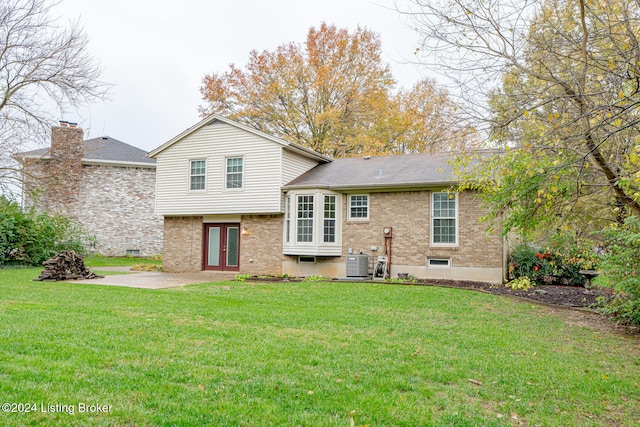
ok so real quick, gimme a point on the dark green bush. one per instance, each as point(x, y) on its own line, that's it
point(29, 237)
point(621, 271)
point(552, 266)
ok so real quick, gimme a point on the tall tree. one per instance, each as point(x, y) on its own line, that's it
point(44, 69)
point(333, 90)
point(562, 83)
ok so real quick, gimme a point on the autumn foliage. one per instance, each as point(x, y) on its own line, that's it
point(334, 89)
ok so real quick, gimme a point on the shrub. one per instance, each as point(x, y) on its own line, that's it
point(29, 237)
point(621, 271)
point(314, 279)
point(527, 261)
point(146, 267)
point(521, 283)
point(562, 264)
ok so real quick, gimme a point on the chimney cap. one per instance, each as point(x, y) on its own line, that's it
point(64, 123)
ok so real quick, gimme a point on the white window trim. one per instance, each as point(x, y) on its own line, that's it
point(431, 218)
point(318, 247)
point(225, 174)
point(189, 176)
point(314, 222)
point(448, 260)
point(287, 220)
point(350, 218)
point(334, 219)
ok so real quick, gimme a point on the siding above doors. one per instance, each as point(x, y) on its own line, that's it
point(266, 165)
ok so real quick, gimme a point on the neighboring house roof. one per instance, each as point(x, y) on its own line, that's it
point(407, 170)
point(307, 152)
point(102, 151)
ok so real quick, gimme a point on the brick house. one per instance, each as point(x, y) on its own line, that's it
point(236, 199)
point(107, 185)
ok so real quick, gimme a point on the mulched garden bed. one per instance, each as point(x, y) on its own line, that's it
point(559, 295)
point(566, 296)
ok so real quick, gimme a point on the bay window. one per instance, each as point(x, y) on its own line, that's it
point(304, 224)
point(312, 223)
point(329, 230)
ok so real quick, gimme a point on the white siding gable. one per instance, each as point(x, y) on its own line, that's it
point(294, 165)
point(266, 167)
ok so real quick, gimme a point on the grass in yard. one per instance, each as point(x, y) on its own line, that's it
point(104, 261)
point(304, 354)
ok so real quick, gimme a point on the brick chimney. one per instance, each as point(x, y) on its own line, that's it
point(65, 166)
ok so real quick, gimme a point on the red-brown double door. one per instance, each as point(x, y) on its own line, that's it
point(221, 247)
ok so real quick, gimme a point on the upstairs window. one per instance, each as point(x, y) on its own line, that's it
point(444, 219)
point(234, 172)
point(197, 174)
point(304, 224)
point(359, 206)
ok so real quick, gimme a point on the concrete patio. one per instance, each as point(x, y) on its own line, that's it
point(153, 279)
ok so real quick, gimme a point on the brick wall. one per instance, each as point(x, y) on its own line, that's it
point(261, 246)
point(65, 174)
point(408, 213)
point(117, 205)
point(182, 244)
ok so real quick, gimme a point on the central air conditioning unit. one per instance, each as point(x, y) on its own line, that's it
point(358, 265)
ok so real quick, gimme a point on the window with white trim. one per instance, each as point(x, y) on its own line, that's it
point(444, 219)
point(287, 222)
point(304, 222)
point(234, 172)
point(312, 223)
point(197, 174)
point(359, 206)
point(329, 226)
point(439, 262)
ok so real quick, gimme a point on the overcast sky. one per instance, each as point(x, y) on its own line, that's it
point(156, 53)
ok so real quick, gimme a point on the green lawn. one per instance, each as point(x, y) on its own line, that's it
point(104, 261)
point(304, 354)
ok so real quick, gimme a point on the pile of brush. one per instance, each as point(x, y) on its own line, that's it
point(66, 265)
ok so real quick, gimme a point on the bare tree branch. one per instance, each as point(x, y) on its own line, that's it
point(45, 69)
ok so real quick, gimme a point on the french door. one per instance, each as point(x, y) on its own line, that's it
point(221, 247)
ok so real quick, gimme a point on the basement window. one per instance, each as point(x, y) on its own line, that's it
point(439, 262)
point(306, 259)
point(132, 252)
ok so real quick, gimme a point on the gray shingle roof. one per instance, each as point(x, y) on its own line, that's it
point(384, 171)
point(104, 149)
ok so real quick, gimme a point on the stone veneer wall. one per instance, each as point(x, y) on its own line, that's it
point(117, 205)
point(183, 244)
point(261, 246)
